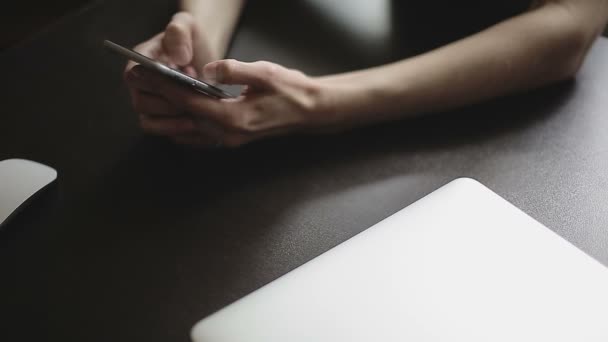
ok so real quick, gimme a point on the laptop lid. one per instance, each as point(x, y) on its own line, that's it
point(461, 264)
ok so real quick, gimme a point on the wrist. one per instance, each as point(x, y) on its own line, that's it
point(213, 39)
point(341, 101)
point(217, 19)
point(207, 40)
point(216, 50)
point(326, 98)
point(364, 97)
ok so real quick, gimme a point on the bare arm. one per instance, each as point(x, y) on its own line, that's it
point(218, 18)
point(546, 44)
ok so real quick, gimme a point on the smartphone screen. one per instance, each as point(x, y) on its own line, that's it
point(198, 85)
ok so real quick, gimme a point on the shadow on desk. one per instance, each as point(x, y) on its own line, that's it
point(202, 220)
point(157, 177)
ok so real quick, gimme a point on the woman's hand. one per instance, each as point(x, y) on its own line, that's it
point(182, 46)
point(276, 101)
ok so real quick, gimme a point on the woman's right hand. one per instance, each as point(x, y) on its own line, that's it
point(183, 46)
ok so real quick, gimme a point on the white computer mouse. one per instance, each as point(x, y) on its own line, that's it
point(21, 179)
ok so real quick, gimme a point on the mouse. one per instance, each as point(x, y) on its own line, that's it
point(20, 181)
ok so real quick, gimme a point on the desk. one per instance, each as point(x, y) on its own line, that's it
point(140, 238)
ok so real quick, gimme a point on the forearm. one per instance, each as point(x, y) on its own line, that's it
point(533, 49)
point(218, 20)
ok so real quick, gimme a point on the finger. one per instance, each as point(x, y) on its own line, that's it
point(177, 41)
point(167, 126)
point(190, 71)
point(224, 112)
point(152, 105)
point(136, 79)
point(260, 75)
point(147, 48)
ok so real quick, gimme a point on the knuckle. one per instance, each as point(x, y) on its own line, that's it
point(176, 29)
point(240, 123)
point(250, 121)
point(183, 17)
point(270, 70)
point(299, 74)
point(225, 70)
point(181, 24)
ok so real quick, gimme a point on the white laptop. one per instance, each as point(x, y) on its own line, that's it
point(461, 264)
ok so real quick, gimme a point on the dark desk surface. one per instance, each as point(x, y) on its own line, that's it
point(140, 239)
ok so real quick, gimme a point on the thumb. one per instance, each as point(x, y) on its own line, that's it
point(260, 75)
point(178, 38)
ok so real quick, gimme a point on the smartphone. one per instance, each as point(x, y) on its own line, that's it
point(178, 76)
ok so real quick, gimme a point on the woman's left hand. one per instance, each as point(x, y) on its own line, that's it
point(276, 101)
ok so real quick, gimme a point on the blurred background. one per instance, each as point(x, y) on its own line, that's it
point(22, 19)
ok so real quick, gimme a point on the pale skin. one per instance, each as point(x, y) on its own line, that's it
point(544, 45)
